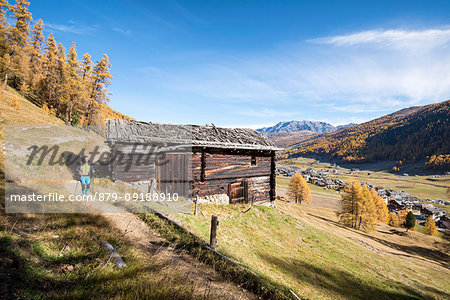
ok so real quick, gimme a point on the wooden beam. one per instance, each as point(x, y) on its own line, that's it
point(203, 162)
point(272, 177)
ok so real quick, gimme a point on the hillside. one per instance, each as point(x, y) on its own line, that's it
point(412, 134)
point(49, 255)
point(304, 248)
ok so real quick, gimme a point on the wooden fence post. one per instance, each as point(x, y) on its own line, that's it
point(196, 206)
point(213, 234)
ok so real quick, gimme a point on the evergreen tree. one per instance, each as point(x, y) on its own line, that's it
point(298, 189)
point(410, 221)
point(430, 227)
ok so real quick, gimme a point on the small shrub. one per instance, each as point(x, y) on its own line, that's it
point(16, 104)
point(44, 109)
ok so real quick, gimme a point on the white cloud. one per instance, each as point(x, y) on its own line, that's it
point(72, 28)
point(122, 31)
point(265, 112)
point(355, 76)
point(393, 37)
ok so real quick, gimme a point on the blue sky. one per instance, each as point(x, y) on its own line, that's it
point(254, 63)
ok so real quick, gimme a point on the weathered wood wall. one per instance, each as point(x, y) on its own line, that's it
point(213, 170)
point(213, 173)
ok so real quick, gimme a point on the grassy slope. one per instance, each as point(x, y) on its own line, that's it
point(318, 261)
point(58, 255)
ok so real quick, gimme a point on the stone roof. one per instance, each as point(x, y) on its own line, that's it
point(124, 131)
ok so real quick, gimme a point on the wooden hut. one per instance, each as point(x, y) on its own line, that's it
point(225, 165)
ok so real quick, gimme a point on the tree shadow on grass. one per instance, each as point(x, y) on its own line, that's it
point(435, 255)
point(340, 283)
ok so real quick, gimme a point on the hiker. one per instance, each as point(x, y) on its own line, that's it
point(85, 171)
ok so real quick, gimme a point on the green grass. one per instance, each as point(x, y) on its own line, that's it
point(55, 256)
point(314, 263)
point(261, 285)
point(60, 259)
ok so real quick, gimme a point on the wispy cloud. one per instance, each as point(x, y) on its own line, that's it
point(392, 37)
point(355, 76)
point(72, 27)
point(265, 112)
point(122, 31)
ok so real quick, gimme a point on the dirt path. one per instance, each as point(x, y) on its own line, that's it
point(204, 279)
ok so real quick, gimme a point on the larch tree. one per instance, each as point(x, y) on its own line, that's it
point(349, 205)
point(381, 208)
point(18, 38)
point(42, 70)
point(62, 87)
point(36, 43)
point(5, 46)
point(50, 79)
point(430, 227)
point(73, 82)
point(100, 81)
point(4, 26)
point(298, 189)
point(393, 220)
point(367, 211)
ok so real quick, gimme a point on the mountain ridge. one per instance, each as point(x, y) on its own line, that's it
point(296, 126)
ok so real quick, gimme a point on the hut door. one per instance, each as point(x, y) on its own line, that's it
point(238, 192)
point(172, 175)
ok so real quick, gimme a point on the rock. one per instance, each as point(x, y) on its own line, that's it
point(215, 199)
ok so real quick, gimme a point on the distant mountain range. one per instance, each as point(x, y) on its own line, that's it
point(296, 126)
point(419, 133)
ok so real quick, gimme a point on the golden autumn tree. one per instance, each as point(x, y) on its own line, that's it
point(382, 211)
point(298, 189)
point(367, 211)
point(35, 56)
point(393, 220)
point(351, 197)
point(430, 227)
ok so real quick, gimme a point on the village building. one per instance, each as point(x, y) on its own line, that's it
point(444, 222)
point(431, 210)
point(218, 165)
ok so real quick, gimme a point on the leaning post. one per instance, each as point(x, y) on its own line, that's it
point(196, 206)
point(213, 234)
